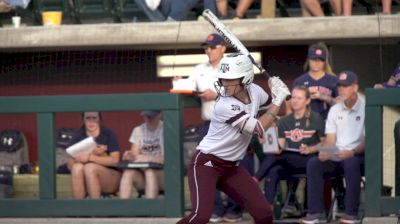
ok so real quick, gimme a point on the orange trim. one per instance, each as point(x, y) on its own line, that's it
point(186, 92)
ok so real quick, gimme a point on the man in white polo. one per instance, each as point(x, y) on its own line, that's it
point(345, 130)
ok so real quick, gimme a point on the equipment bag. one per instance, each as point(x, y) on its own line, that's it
point(6, 184)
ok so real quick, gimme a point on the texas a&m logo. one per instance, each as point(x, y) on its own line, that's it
point(224, 68)
point(235, 107)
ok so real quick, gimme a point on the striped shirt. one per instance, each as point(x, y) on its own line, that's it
point(296, 132)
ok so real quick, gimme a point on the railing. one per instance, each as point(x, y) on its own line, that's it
point(375, 204)
point(47, 205)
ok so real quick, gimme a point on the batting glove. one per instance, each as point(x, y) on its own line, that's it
point(279, 90)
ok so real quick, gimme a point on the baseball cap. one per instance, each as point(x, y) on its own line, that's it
point(213, 40)
point(347, 78)
point(150, 113)
point(317, 53)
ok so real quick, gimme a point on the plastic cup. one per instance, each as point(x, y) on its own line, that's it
point(52, 18)
point(16, 21)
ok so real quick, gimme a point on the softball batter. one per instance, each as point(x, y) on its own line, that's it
point(233, 122)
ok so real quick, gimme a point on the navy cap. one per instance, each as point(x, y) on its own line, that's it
point(150, 113)
point(347, 78)
point(317, 53)
point(213, 40)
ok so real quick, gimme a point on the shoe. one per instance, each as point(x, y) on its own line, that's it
point(290, 209)
point(170, 19)
point(349, 219)
point(215, 218)
point(230, 217)
point(314, 218)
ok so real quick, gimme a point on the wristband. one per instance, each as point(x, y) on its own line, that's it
point(272, 115)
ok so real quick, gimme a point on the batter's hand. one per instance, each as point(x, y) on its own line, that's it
point(279, 90)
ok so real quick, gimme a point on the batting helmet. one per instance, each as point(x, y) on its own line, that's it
point(236, 66)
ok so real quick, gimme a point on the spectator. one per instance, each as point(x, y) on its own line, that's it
point(393, 82)
point(94, 173)
point(233, 123)
point(387, 7)
point(301, 130)
point(204, 77)
point(321, 83)
point(240, 11)
point(339, 7)
point(147, 146)
point(4, 7)
point(319, 79)
point(268, 8)
point(345, 130)
point(173, 10)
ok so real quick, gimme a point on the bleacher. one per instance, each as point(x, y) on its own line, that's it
point(118, 11)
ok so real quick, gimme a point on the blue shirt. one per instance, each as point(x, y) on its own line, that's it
point(106, 137)
point(325, 85)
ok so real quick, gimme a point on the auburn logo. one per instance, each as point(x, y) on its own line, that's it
point(296, 135)
point(224, 68)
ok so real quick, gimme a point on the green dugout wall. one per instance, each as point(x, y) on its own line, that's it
point(377, 205)
point(172, 205)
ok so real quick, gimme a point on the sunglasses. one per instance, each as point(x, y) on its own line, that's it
point(92, 118)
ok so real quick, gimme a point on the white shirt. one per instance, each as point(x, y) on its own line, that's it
point(347, 124)
point(224, 139)
point(204, 77)
point(150, 142)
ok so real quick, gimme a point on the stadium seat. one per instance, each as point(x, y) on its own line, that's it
point(65, 6)
point(96, 10)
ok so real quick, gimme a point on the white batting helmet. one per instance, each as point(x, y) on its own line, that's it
point(236, 66)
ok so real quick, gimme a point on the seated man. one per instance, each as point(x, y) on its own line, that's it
point(345, 130)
